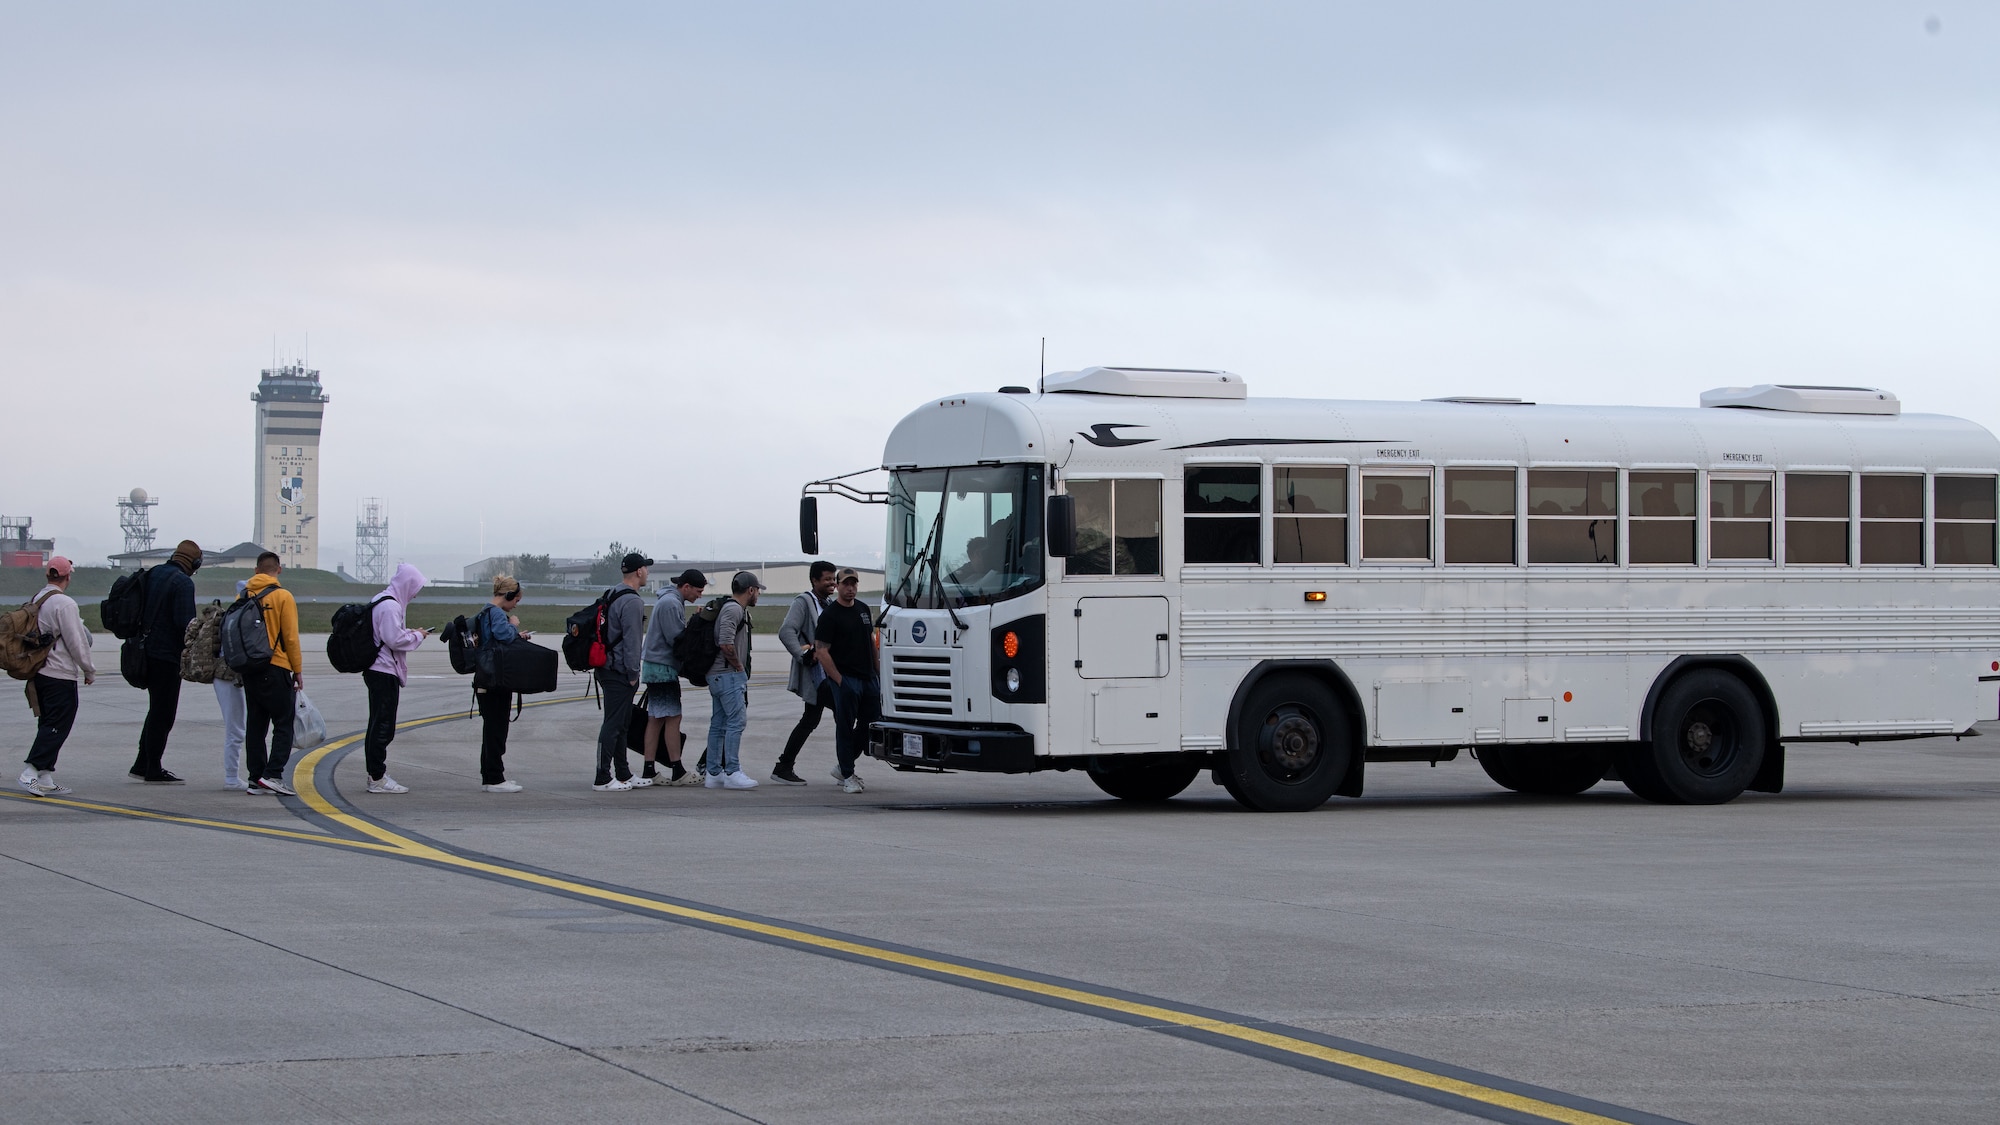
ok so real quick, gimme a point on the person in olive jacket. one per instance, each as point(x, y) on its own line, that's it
point(169, 608)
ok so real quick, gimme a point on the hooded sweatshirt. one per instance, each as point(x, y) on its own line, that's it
point(391, 617)
point(281, 620)
point(70, 658)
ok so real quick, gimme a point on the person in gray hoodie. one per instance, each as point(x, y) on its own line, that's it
point(662, 679)
point(624, 635)
point(52, 693)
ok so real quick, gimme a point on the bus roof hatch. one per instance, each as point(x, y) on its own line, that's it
point(1805, 399)
point(1148, 382)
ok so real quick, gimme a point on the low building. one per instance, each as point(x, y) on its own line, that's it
point(19, 547)
point(242, 556)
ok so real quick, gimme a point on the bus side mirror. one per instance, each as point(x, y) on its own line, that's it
point(1061, 526)
point(809, 524)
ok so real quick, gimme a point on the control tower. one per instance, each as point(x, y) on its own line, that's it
point(290, 404)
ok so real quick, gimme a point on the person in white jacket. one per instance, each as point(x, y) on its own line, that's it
point(54, 688)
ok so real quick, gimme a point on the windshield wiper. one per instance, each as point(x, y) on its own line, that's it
point(930, 540)
point(937, 581)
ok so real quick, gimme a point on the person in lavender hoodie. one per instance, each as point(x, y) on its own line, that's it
point(385, 678)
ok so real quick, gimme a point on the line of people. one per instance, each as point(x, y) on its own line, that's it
point(828, 635)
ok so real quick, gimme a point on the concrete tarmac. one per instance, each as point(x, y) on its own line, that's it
point(1823, 955)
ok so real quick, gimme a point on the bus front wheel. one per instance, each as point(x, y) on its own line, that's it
point(1293, 746)
point(1709, 736)
point(1146, 780)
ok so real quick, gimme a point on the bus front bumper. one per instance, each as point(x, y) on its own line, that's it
point(979, 749)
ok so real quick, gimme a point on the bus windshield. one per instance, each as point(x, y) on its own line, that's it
point(965, 536)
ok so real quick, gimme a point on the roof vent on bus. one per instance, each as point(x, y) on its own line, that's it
point(1803, 399)
point(1148, 382)
point(1482, 400)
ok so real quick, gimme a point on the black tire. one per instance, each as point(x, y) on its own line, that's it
point(1546, 771)
point(1148, 780)
point(1294, 744)
point(1709, 738)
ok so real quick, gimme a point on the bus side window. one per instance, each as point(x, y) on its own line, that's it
point(1965, 518)
point(1663, 513)
point(1309, 506)
point(1117, 527)
point(1225, 513)
point(1572, 516)
point(1816, 518)
point(1479, 516)
point(1739, 518)
point(1395, 517)
point(1892, 519)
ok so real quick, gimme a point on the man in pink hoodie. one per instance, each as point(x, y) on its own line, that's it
point(385, 678)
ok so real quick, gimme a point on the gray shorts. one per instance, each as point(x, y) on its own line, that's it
point(663, 701)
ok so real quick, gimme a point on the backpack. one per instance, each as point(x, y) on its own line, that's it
point(201, 648)
point(24, 648)
point(246, 643)
point(695, 649)
point(123, 610)
point(460, 636)
point(586, 643)
point(352, 645)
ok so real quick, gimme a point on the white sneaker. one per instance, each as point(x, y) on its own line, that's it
point(851, 785)
point(738, 780)
point(503, 787)
point(387, 784)
point(711, 781)
point(234, 783)
point(32, 782)
point(613, 786)
point(643, 782)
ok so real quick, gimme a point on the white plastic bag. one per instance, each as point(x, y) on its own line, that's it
point(308, 725)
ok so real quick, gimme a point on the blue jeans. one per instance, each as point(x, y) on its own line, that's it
point(857, 702)
point(729, 691)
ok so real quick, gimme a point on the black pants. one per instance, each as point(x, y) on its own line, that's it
point(58, 700)
point(493, 736)
point(857, 703)
point(808, 723)
point(267, 703)
point(384, 693)
point(163, 703)
point(617, 689)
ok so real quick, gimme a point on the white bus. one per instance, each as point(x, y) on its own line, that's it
point(1146, 574)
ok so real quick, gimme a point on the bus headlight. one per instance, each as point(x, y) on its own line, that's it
point(1013, 679)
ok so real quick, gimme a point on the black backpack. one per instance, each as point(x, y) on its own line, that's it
point(352, 645)
point(246, 643)
point(695, 649)
point(586, 644)
point(460, 636)
point(123, 610)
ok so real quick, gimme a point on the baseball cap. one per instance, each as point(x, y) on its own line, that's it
point(691, 577)
point(744, 580)
point(633, 561)
point(845, 575)
point(61, 567)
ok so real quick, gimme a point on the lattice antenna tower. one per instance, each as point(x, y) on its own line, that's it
point(371, 542)
point(135, 519)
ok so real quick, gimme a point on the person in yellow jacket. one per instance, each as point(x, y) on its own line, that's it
point(269, 692)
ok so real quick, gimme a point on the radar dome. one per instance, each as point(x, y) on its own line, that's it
point(138, 496)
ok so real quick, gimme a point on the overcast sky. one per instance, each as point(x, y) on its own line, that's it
point(585, 271)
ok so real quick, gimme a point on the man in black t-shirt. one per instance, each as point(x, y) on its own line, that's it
point(844, 644)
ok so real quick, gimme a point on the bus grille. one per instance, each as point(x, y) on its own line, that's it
point(920, 684)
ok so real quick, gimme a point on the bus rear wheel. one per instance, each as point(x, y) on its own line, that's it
point(1145, 780)
point(1709, 736)
point(1294, 744)
point(1546, 771)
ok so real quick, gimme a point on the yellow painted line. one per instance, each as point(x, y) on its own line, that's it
point(1414, 1076)
point(203, 822)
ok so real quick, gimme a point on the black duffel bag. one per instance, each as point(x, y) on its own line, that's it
point(132, 663)
point(521, 668)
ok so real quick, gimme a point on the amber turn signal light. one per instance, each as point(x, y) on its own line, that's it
point(1010, 645)
point(1315, 595)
